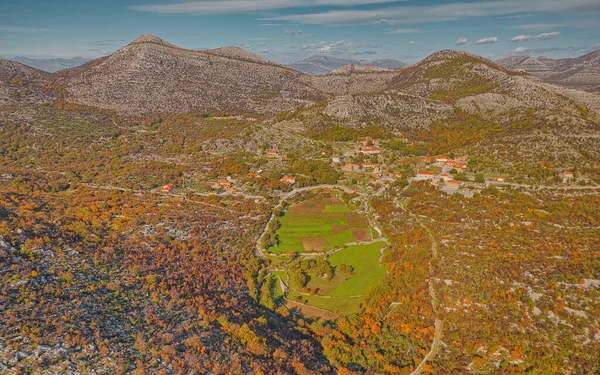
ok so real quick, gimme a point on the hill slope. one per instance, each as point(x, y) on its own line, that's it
point(582, 73)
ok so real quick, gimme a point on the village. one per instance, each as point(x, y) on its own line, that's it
point(367, 162)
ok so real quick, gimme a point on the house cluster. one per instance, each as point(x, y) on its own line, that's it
point(458, 163)
point(369, 146)
point(444, 178)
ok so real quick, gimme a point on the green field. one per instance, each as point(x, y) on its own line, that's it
point(367, 270)
point(313, 220)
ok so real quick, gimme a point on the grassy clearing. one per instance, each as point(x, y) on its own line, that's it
point(278, 291)
point(314, 219)
point(367, 271)
point(343, 306)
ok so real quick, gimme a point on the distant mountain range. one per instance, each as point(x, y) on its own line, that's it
point(581, 72)
point(321, 64)
point(51, 65)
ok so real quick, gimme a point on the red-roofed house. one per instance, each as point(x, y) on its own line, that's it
point(424, 175)
point(453, 184)
point(371, 150)
point(167, 188)
point(442, 158)
point(446, 177)
point(569, 174)
point(252, 174)
point(273, 153)
point(427, 159)
point(224, 183)
point(500, 179)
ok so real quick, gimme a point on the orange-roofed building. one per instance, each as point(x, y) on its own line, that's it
point(371, 150)
point(273, 153)
point(424, 175)
point(453, 184)
point(288, 180)
point(500, 179)
point(446, 177)
point(252, 174)
point(569, 174)
point(224, 183)
point(442, 158)
point(167, 188)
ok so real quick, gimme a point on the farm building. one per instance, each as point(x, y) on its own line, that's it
point(569, 174)
point(500, 179)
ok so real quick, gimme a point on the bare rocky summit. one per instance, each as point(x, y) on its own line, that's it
point(152, 76)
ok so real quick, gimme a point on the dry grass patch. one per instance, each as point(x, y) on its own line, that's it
point(356, 220)
point(314, 244)
point(361, 235)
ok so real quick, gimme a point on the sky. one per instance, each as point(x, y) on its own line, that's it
point(289, 30)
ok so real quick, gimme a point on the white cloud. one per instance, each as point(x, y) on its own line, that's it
point(538, 51)
point(543, 36)
point(440, 13)
point(461, 41)
point(404, 31)
point(411, 43)
point(521, 38)
point(487, 40)
point(547, 36)
point(244, 6)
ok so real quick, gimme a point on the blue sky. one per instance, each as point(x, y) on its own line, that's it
point(288, 30)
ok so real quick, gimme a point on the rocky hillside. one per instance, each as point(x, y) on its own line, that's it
point(150, 75)
point(582, 73)
point(321, 64)
point(20, 82)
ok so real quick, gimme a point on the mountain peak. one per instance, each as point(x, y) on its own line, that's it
point(149, 38)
